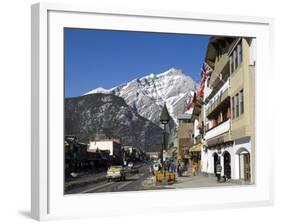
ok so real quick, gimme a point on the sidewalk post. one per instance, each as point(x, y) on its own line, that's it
point(164, 119)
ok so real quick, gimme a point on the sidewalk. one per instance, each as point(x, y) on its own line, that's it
point(199, 180)
point(188, 181)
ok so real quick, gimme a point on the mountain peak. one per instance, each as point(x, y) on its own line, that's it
point(146, 95)
point(99, 90)
point(171, 72)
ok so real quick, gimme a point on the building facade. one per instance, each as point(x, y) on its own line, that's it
point(185, 139)
point(228, 109)
point(110, 146)
point(197, 120)
point(79, 160)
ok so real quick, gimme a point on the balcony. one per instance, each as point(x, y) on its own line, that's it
point(218, 99)
point(218, 130)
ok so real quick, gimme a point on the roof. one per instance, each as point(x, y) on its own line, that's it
point(196, 148)
point(184, 116)
point(114, 140)
point(165, 114)
point(212, 49)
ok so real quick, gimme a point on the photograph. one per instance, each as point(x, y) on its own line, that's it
point(157, 111)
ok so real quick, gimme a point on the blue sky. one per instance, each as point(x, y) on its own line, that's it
point(100, 58)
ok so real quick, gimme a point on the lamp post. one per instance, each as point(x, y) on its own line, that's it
point(164, 119)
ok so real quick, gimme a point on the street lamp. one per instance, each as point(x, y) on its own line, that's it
point(164, 119)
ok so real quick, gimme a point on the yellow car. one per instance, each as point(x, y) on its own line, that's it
point(116, 173)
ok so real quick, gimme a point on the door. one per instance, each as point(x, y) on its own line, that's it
point(227, 167)
point(247, 167)
point(215, 155)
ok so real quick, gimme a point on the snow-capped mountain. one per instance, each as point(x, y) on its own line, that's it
point(148, 94)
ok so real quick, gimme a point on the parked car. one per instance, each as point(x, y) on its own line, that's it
point(130, 164)
point(116, 173)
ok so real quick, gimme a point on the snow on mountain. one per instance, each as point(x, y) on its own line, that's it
point(148, 94)
point(99, 90)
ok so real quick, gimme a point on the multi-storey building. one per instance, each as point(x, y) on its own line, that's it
point(185, 133)
point(197, 120)
point(228, 109)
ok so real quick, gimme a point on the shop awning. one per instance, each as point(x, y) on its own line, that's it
point(196, 148)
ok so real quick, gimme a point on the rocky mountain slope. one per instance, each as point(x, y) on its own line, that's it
point(89, 115)
point(147, 95)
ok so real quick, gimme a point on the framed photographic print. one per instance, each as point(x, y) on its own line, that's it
point(162, 111)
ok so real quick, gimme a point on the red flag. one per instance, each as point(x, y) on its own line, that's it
point(206, 71)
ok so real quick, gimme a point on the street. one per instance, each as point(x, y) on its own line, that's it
point(133, 182)
point(144, 180)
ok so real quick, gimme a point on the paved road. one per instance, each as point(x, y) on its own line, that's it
point(145, 181)
point(133, 182)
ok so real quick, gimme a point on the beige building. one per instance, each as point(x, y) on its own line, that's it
point(185, 133)
point(228, 110)
point(197, 120)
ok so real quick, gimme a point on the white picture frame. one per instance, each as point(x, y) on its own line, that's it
point(48, 201)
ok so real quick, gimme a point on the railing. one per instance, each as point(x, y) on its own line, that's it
point(218, 130)
point(219, 97)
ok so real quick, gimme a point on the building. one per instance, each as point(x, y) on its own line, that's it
point(152, 155)
point(132, 154)
point(197, 121)
point(228, 109)
point(110, 146)
point(79, 160)
point(185, 134)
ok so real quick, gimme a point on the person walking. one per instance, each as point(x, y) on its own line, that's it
point(151, 170)
point(171, 167)
point(194, 168)
point(218, 171)
point(179, 169)
point(227, 172)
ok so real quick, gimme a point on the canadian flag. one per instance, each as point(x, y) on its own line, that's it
point(206, 71)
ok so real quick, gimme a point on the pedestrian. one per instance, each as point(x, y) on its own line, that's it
point(159, 167)
point(165, 166)
point(171, 167)
point(218, 171)
point(227, 172)
point(179, 169)
point(194, 169)
point(151, 170)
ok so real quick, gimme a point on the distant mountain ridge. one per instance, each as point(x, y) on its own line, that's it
point(148, 94)
point(88, 116)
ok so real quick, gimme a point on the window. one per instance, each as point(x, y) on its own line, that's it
point(220, 52)
point(237, 104)
point(190, 134)
point(241, 94)
point(236, 57)
point(233, 108)
point(231, 64)
point(240, 52)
